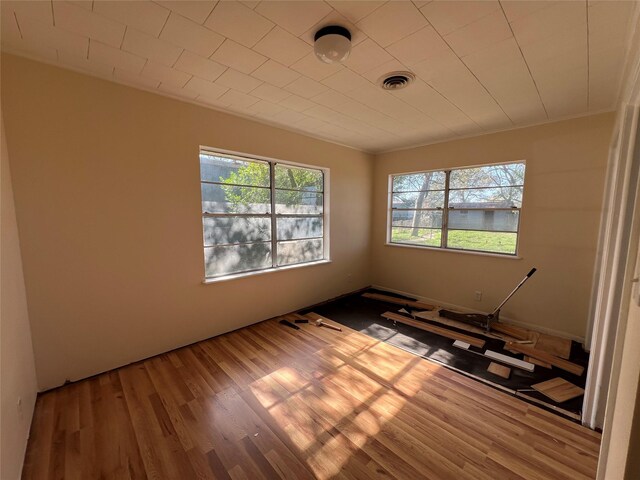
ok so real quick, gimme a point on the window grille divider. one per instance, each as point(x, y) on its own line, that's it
point(274, 228)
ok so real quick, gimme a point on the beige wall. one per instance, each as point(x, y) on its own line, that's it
point(107, 192)
point(16, 358)
point(560, 217)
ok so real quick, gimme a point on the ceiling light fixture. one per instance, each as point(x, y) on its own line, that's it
point(332, 44)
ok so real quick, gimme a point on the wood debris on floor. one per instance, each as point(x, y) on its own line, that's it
point(558, 389)
point(499, 370)
point(532, 356)
point(476, 342)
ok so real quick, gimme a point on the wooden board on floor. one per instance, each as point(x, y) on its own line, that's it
point(476, 342)
point(515, 332)
point(398, 301)
point(514, 362)
point(535, 361)
point(560, 347)
point(499, 370)
point(433, 316)
point(548, 358)
point(558, 389)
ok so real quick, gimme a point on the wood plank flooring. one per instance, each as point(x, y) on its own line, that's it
point(269, 402)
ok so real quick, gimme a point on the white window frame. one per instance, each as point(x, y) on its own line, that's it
point(445, 214)
point(272, 215)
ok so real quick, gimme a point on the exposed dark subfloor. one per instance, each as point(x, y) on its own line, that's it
point(363, 314)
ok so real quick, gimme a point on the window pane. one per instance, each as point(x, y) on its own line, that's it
point(231, 199)
point(489, 176)
point(290, 228)
point(214, 168)
point(298, 178)
point(299, 251)
point(433, 199)
point(289, 201)
point(482, 241)
point(419, 181)
point(419, 236)
point(496, 220)
point(236, 258)
point(220, 230)
point(416, 218)
point(501, 197)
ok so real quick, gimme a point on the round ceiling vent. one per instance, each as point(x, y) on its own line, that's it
point(396, 80)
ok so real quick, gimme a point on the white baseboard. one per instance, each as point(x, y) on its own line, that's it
point(531, 326)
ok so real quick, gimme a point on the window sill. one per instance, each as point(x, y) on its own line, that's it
point(262, 272)
point(452, 250)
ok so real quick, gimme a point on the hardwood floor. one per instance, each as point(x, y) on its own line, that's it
point(268, 402)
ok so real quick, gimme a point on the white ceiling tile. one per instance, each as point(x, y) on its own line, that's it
point(241, 58)
point(281, 46)
point(366, 56)
point(383, 101)
point(289, 117)
point(270, 93)
point(238, 81)
point(164, 74)
point(424, 44)
point(447, 17)
point(311, 124)
point(196, 10)
point(239, 23)
point(305, 87)
point(9, 31)
point(275, 74)
point(199, 66)
point(148, 17)
point(553, 41)
point(234, 98)
point(381, 70)
point(69, 43)
point(453, 80)
point(331, 99)
point(204, 87)
point(129, 78)
point(264, 108)
point(150, 47)
point(500, 80)
point(427, 100)
point(250, 3)
point(296, 103)
point(79, 20)
point(178, 92)
point(87, 4)
point(85, 65)
point(392, 22)
point(294, 16)
point(519, 9)
point(34, 11)
point(107, 55)
point(187, 34)
point(36, 50)
point(311, 66)
point(552, 22)
point(503, 72)
point(483, 33)
point(609, 27)
point(324, 113)
point(355, 10)
point(345, 80)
